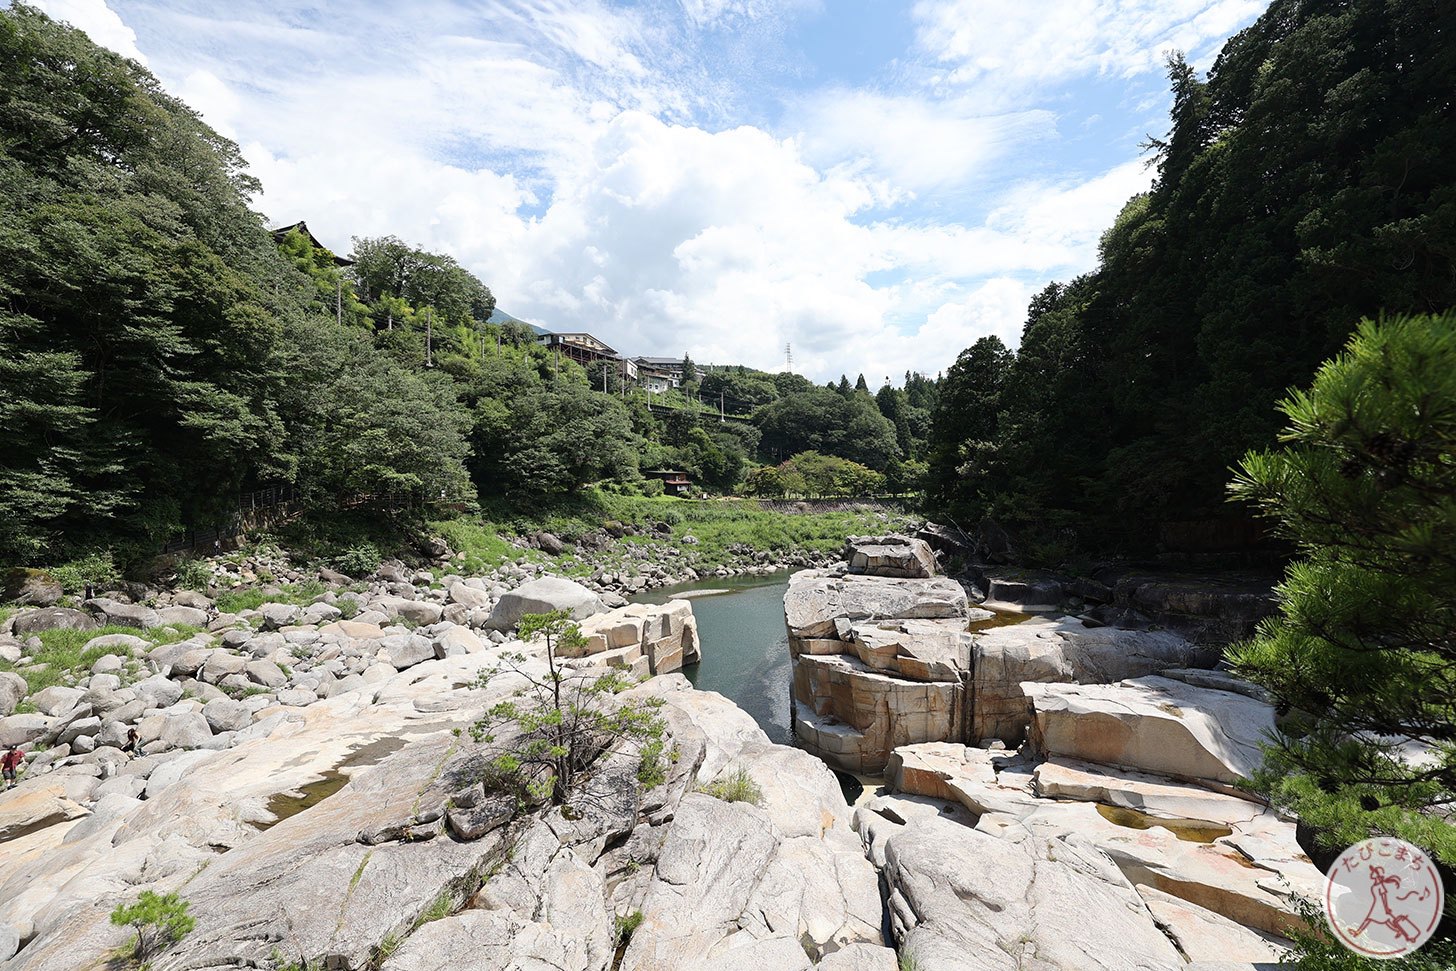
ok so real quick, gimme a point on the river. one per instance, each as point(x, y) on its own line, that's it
point(744, 642)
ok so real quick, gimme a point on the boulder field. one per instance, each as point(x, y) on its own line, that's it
point(352, 831)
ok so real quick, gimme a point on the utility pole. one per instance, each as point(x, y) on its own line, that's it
point(339, 301)
point(389, 320)
point(429, 336)
point(721, 418)
point(604, 377)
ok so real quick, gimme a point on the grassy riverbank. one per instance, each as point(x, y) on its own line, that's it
point(721, 528)
point(599, 529)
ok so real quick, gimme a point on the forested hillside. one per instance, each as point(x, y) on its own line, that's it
point(1305, 184)
point(162, 354)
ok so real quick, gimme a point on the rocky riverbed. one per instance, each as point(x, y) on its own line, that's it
point(302, 777)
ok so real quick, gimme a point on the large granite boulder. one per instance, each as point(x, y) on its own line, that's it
point(31, 588)
point(1062, 650)
point(51, 618)
point(642, 638)
point(114, 613)
point(469, 596)
point(180, 615)
point(890, 556)
point(13, 688)
point(420, 612)
point(918, 650)
point(1025, 593)
point(58, 699)
point(815, 599)
point(1153, 724)
point(543, 596)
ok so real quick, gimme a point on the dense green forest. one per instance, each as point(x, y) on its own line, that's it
point(1305, 184)
point(163, 354)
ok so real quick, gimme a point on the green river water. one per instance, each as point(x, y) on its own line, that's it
point(745, 646)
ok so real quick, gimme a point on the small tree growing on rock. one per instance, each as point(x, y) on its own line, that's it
point(1362, 659)
point(160, 920)
point(555, 730)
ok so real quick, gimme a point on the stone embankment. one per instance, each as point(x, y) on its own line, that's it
point(1057, 795)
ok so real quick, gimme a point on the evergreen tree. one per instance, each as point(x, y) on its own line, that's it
point(1362, 658)
point(964, 426)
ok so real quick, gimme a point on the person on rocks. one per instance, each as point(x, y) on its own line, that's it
point(131, 741)
point(10, 764)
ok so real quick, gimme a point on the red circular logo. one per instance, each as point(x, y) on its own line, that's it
point(1384, 898)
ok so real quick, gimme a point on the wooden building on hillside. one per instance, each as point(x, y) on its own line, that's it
point(674, 482)
point(666, 372)
point(583, 348)
point(302, 227)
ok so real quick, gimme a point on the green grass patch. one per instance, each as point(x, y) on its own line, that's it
point(441, 907)
point(478, 539)
point(65, 656)
point(625, 924)
point(298, 594)
point(737, 786)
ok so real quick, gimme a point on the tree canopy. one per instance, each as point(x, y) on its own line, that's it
point(1304, 184)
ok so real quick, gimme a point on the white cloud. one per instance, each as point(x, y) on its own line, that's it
point(1010, 46)
point(1073, 215)
point(99, 21)
point(916, 143)
point(572, 155)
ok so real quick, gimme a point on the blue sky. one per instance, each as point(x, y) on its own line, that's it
point(876, 183)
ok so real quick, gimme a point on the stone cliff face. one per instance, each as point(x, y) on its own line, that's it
point(881, 660)
point(1114, 837)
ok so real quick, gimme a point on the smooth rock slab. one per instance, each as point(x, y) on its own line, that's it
point(489, 940)
point(1061, 650)
point(308, 882)
point(816, 598)
point(35, 806)
point(962, 900)
point(706, 872)
point(1153, 725)
point(1205, 936)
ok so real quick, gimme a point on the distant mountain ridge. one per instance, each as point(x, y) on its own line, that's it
point(499, 316)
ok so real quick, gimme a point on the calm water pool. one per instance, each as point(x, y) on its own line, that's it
point(745, 645)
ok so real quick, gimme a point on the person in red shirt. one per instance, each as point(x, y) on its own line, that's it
point(10, 763)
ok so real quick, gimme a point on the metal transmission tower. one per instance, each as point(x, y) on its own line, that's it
point(788, 357)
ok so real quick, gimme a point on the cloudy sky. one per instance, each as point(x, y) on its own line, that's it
point(877, 183)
